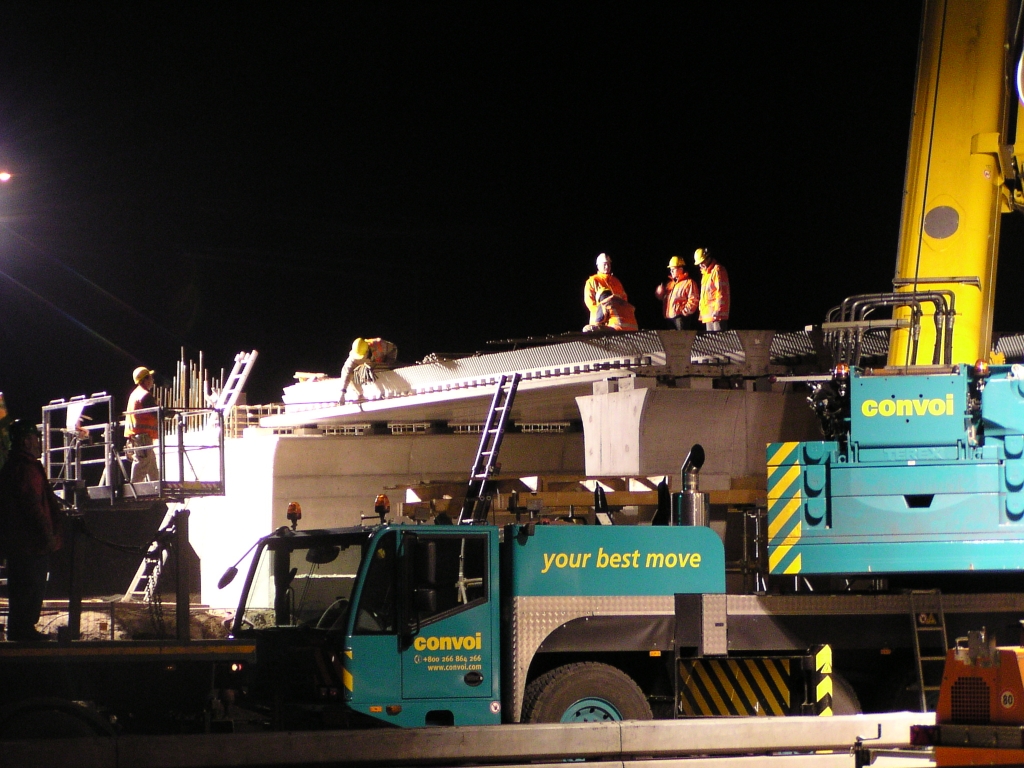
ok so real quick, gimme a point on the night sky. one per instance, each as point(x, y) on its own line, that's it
point(232, 176)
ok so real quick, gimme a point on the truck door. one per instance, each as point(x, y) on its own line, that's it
point(450, 617)
point(373, 678)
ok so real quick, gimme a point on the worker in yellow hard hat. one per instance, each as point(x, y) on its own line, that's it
point(714, 292)
point(679, 297)
point(141, 427)
point(365, 355)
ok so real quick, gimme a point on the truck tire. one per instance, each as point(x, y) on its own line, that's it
point(51, 718)
point(584, 692)
point(844, 697)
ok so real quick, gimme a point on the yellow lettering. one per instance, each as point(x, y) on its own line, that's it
point(602, 558)
point(464, 643)
point(561, 560)
point(616, 559)
point(585, 558)
point(655, 560)
point(548, 559)
point(636, 556)
point(575, 560)
point(671, 559)
point(695, 560)
point(921, 407)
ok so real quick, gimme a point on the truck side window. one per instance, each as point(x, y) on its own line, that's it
point(376, 614)
point(460, 578)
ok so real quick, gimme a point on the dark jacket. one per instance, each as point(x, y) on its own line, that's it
point(31, 516)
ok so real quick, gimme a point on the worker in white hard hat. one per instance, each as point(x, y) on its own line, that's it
point(607, 301)
point(679, 297)
point(141, 427)
point(714, 292)
point(365, 355)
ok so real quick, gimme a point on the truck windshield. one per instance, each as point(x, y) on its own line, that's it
point(305, 580)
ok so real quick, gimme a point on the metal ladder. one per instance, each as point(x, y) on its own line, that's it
point(475, 505)
point(930, 644)
point(228, 395)
point(147, 578)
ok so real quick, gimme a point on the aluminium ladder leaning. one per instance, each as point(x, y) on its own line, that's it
point(475, 505)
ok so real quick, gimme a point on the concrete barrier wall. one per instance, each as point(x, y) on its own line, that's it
point(649, 431)
point(335, 479)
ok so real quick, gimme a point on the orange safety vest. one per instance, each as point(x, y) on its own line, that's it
point(682, 299)
point(142, 423)
point(714, 294)
point(621, 316)
point(381, 351)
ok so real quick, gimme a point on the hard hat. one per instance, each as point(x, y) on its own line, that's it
point(140, 373)
point(700, 256)
point(360, 347)
point(20, 429)
point(675, 261)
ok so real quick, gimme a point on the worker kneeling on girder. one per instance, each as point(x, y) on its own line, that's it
point(366, 355)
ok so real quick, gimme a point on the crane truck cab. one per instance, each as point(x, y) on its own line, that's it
point(413, 625)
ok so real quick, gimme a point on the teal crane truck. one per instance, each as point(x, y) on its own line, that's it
point(924, 474)
point(413, 625)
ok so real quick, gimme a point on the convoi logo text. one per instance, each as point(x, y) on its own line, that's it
point(466, 643)
point(936, 406)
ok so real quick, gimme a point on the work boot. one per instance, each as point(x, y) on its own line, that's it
point(31, 636)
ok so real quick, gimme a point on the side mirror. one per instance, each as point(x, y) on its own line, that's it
point(425, 600)
point(228, 577)
point(426, 562)
point(323, 554)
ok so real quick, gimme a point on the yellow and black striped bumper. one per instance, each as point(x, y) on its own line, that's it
point(755, 687)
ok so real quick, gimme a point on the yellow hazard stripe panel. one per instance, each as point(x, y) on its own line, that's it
point(734, 687)
point(781, 454)
point(794, 567)
point(823, 659)
point(782, 486)
point(823, 691)
point(346, 676)
point(781, 517)
point(779, 547)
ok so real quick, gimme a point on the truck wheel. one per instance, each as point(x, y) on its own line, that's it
point(844, 697)
point(51, 718)
point(584, 692)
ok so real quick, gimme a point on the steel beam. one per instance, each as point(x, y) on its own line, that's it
point(738, 741)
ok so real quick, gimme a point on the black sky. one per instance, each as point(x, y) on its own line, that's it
point(285, 178)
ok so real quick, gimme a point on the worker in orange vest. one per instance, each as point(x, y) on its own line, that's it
point(607, 301)
point(140, 427)
point(714, 292)
point(679, 297)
